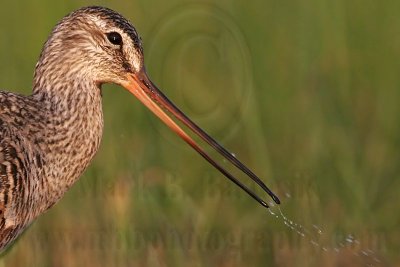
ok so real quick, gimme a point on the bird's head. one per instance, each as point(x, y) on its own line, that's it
point(91, 44)
point(97, 45)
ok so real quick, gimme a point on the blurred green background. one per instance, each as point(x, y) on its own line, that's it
point(306, 93)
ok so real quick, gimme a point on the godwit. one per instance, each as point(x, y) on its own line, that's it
point(47, 139)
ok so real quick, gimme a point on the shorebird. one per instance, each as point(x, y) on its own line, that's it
point(48, 139)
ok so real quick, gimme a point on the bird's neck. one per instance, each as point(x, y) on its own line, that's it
point(73, 130)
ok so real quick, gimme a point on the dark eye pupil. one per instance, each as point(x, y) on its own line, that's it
point(114, 38)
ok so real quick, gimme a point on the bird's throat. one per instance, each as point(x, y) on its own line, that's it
point(73, 132)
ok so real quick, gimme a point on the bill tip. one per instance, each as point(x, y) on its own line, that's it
point(264, 204)
point(276, 199)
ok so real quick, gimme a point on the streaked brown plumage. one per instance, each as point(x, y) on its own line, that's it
point(48, 139)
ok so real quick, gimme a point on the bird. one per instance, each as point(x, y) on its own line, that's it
point(49, 138)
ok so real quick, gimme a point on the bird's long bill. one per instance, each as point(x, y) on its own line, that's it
point(141, 86)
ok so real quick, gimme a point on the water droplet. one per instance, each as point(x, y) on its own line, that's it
point(300, 233)
point(272, 213)
point(319, 231)
point(349, 239)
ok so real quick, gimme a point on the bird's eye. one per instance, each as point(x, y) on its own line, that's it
point(114, 38)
